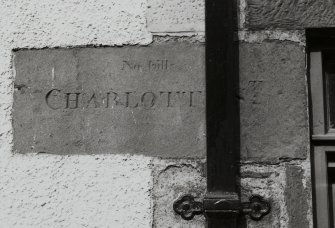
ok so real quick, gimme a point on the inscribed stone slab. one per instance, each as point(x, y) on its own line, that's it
point(138, 100)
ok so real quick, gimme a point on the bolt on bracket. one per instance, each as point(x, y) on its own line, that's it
point(187, 207)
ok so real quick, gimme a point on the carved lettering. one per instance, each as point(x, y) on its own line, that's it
point(151, 65)
point(150, 101)
point(128, 100)
point(168, 97)
point(130, 66)
point(94, 99)
point(107, 100)
point(191, 97)
point(55, 99)
point(54, 93)
point(158, 65)
point(70, 100)
point(126, 65)
point(116, 98)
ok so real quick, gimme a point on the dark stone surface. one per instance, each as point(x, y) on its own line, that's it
point(137, 100)
point(273, 101)
point(289, 14)
point(171, 182)
point(296, 196)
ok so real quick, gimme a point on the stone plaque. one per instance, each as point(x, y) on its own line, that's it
point(139, 100)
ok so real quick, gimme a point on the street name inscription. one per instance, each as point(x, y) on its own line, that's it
point(138, 100)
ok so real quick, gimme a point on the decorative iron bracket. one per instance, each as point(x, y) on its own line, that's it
point(187, 207)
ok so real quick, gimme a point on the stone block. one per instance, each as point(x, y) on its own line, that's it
point(289, 14)
point(286, 187)
point(137, 100)
point(267, 182)
point(273, 101)
point(172, 180)
point(296, 197)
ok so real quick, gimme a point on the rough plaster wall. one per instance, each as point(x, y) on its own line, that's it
point(176, 16)
point(42, 190)
point(75, 191)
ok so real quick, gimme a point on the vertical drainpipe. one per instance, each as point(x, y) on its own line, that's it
point(222, 113)
point(222, 204)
